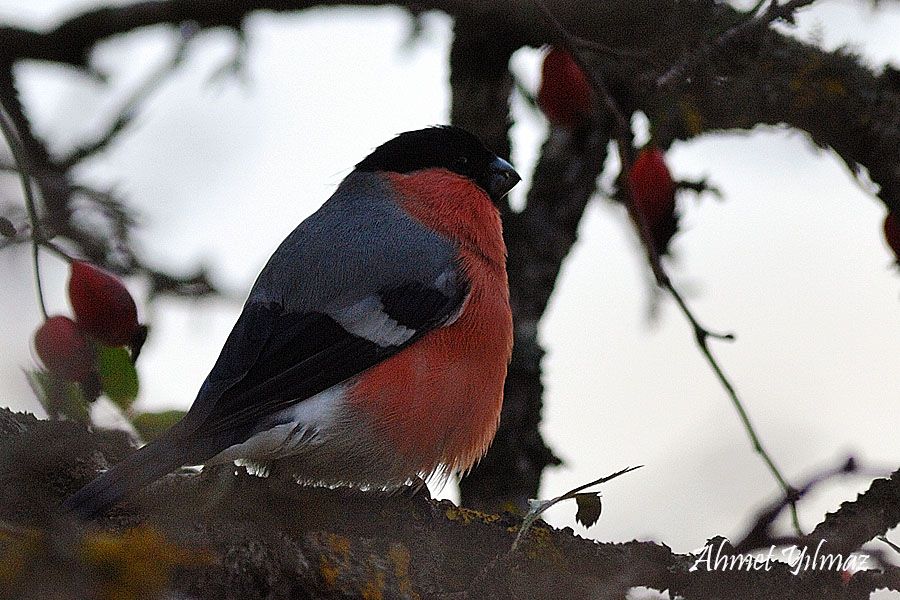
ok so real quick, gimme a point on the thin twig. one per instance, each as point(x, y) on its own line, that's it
point(893, 546)
point(721, 44)
point(14, 142)
point(129, 107)
point(47, 244)
point(539, 507)
point(699, 186)
point(57, 186)
point(760, 533)
point(591, 45)
point(701, 334)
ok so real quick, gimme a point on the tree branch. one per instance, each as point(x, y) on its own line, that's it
point(129, 107)
point(203, 536)
point(873, 513)
point(733, 37)
point(652, 30)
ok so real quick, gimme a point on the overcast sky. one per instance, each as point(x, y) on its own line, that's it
point(792, 260)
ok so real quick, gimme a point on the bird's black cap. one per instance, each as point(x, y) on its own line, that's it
point(444, 147)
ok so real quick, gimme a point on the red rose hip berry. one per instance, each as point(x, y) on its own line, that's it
point(63, 349)
point(103, 306)
point(653, 192)
point(565, 93)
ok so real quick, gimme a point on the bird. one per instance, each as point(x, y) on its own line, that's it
point(372, 349)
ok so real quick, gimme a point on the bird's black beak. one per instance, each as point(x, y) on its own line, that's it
point(502, 178)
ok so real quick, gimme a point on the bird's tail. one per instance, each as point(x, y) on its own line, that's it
point(141, 468)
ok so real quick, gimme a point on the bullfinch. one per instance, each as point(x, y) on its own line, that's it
point(373, 347)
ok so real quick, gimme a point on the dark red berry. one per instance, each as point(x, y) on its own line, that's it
point(653, 192)
point(564, 94)
point(63, 349)
point(103, 306)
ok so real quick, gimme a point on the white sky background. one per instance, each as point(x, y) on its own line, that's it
point(793, 260)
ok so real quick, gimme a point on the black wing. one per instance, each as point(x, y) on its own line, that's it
point(274, 358)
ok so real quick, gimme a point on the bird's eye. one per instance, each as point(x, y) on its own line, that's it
point(462, 161)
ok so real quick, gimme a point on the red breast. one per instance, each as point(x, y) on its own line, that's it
point(438, 401)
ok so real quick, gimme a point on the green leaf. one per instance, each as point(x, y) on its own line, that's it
point(589, 508)
point(151, 425)
point(58, 397)
point(40, 385)
point(118, 377)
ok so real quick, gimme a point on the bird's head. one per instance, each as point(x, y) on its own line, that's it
point(444, 147)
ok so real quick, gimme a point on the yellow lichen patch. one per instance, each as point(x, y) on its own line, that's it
point(338, 547)
point(137, 563)
point(329, 572)
point(804, 94)
point(467, 515)
point(17, 546)
point(692, 118)
point(511, 507)
point(813, 80)
point(539, 545)
point(834, 86)
point(373, 589)
point(400, 558)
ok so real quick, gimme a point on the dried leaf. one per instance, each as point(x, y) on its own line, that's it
point(589, 508)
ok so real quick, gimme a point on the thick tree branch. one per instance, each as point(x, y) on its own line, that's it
point(774, 79)
point(739, 33)
point(873, 513)
point(480, 81)
point(724, 91)
point(72, 41)
point(204, 536)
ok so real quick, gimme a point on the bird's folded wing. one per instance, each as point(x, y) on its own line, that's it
point(275, 358)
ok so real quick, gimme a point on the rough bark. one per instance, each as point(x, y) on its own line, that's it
point(227, 534)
